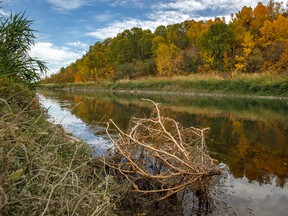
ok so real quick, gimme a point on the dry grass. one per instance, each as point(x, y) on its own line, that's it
point(158, 156)
point(42, 172)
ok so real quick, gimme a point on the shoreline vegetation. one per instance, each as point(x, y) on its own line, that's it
point(43, 170)
point(239, 85)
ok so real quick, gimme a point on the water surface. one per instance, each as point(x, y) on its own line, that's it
point(249, 137)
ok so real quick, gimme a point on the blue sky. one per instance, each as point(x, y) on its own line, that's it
point(66, 28)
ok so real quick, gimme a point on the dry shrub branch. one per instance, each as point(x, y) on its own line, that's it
point(157, 155)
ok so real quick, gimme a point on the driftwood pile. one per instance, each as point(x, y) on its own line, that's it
point(157, 155)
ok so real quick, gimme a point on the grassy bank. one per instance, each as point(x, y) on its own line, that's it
point(247, 84)
point(42, 170)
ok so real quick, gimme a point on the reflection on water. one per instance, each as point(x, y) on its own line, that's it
point(59, 114)
point(249, 136)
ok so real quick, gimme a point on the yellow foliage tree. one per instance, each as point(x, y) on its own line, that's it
point(245, 17)
point(168, 59)
point(260, 14)
point(274, 31)
point(283, 63)
point(248, 45)
point(194, 31)
point(280, 26)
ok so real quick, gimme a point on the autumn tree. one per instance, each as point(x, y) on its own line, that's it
point(168, 60)
point(122, 50)
point(273, 40)
point(156, 43)
point(260, 15)
point(245, 17)
point(241, 60)
point(194, 31)
point(145, 45)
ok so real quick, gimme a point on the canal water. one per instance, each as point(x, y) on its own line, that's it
point(249, 137)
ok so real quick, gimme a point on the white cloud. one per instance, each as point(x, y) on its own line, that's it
point(188, 6)
point(155, 19)
point(68, 4)
point(175, 11)
point(169, 17)
point(116, 27)
point(182, 5)
point(126, 3)
point(55, 57)
point(78, 44)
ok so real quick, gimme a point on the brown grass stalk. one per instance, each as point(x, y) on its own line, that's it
point(42, 172)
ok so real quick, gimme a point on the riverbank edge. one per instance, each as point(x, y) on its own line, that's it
point(27, 134)
point(242, 86)
point(187, 94)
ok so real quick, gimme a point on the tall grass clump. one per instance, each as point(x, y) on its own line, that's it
point(16, 40)
point(42, 171)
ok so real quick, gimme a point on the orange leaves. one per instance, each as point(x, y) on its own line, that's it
point(260, 14)
point(283, 63)
point(281, 28)
point(274, 31)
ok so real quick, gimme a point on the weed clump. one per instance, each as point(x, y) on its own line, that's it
point(43, 172)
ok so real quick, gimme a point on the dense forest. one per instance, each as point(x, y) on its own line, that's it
point(255, 40)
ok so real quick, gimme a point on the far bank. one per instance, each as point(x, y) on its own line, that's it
point(245, 85)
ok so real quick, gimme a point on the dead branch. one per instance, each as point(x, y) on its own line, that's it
point(161, 153)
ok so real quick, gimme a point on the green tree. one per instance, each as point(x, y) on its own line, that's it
point(122, 51)
point(218, 43)
point(145, 45)
point(161, 31)
point(16, 40)
point(176, 34)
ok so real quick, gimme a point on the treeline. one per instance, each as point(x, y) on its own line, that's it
point(255, 40)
